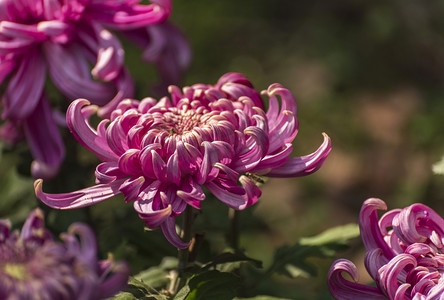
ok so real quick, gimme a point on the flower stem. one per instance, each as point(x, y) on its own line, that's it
point(183, 255)
point(234, 228)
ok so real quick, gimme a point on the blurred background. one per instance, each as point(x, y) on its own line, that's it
point(368, 73)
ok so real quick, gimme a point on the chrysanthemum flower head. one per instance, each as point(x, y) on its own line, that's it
point(405, 255)
point(35, 266)
point(63, 39)
point(159, 154)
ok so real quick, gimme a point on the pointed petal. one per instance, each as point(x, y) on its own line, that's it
point(44, 140)
point(229, 193)
point(82, 131)
point(80, 198)
point(304, 165)
point(343, 289)
point(169, 230)
point(25, 87)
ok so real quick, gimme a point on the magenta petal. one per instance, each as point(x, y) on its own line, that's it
point(304, 165)
point(169, 230)
point(131, 188)
point(80, 198)
point(370, 232)
point(88, 241)
point(25, 87)
point(115, 282)
point(6, 66)
point(191, 193)
point(74, 79)
point(34, 227)
point(229, 193)
point(343, 289)
point(83, 132)
point(152, 218)
point(44, 140)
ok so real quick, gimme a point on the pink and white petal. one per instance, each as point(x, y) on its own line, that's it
point(44, 140)
point(191, 193)
point(343, 289)
point(275, 160)
point(253, 191)
point(110, 55)
point(25, 86)
point(229, 193)
point(131, 188)
point(169, 230)
point(107, 172)
point(124, 17)
point(21, 31)
point(81, 129)
point(370, 231)
point(152, 218)
point(389, 275)
point(81, 198)
point(304, 165)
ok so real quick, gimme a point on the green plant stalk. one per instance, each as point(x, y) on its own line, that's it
point(183, 254)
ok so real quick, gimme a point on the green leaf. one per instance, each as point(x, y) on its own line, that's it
point(229, 257)
point(212, 285)
point(124, 296)
point(438, 168)
point(340, 234)
point(292, 260)
point(156, 277)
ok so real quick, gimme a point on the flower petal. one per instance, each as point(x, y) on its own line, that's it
point(304, 165)
point(80, 198)
point(169, 230)
point(343, 289)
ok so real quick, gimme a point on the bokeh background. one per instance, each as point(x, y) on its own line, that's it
point(368, 73)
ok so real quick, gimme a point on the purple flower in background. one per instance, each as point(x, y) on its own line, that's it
point(35, 266)
point(63, 39)
point(405, 255)
point(160, 154)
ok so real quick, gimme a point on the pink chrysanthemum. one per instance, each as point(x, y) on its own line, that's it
point(35, 266)
point(405, 255)
point(64, 39)
point(160, 154)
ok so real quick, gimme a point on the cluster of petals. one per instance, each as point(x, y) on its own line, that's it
point(405, 255)
point(62, 40)
point(159, 154)
point(33, 265)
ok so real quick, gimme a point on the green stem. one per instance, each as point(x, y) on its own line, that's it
point(183, 255)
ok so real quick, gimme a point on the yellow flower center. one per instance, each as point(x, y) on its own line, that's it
point(16, 271)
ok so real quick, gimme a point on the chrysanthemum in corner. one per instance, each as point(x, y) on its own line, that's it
point(63, 39)
point(35, 266)
point(405, 255)
point(159, 155)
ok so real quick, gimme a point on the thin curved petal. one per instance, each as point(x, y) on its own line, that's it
point(304, 165)
point(229, 193)
point(44, 140)
point(25, 87)
point(342, 289)
point(80, 198)
point(169, 230)
point(83, 132)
